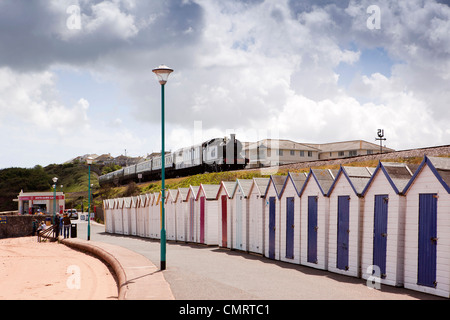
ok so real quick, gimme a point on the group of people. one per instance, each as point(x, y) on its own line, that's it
point(62, 224)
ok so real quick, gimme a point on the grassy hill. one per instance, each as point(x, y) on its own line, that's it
point(73, 178)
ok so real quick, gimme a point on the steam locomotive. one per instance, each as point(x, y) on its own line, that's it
point(215, 155)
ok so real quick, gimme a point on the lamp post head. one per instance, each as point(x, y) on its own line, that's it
point(89, 160)
point(163, 72)
point(55, 179)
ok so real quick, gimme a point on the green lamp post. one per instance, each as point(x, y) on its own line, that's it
point(89, 161)
point(163, 72)
point(55, 179)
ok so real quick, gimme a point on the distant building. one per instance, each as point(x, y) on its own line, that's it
point(40, 202)
point(274, 152)
point(346, 149)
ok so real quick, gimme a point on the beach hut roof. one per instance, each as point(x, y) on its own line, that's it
point(398, 175)
point(358, 177)
point(182, 192)
point(260, 184)
point(298, 180)
point(323, 177)
point(440, 168)
point(244, 184)
point(228, 186)
point(210, 191)
point(278, 183)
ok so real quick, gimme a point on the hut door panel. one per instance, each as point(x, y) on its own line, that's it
point(342, 232)
point(191, 219)
point(224, 221)
point(290, 228)
point(380, 232)
point(239, 222)
point(427, 240)
point(272, 228)
point(312, 229)
point(202, 220)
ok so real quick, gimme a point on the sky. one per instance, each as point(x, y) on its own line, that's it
point(76, 75)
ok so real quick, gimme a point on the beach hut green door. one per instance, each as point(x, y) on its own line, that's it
point(427, 240)
point(342, 232)
point(380, 232)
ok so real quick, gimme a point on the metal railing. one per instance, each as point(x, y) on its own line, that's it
point(47, 235)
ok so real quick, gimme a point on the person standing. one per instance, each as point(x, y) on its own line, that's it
point(56, 227)
point(66, 223)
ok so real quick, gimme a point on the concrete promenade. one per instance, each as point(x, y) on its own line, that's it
point(196, 272)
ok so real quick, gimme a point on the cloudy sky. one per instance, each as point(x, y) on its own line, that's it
point(76, 75)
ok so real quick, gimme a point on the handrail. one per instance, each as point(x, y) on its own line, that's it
point(47, 234)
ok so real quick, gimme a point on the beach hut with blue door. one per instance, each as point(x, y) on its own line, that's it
point(224, 195)
point(181, 208)
point(272, 217)
point(314, 218)
point(208, 212)
point(290, 217)
point(239, 214)
point(427, 228)
point(256, 215)
point(383, 233)
point(346, 209)
point(192, 219)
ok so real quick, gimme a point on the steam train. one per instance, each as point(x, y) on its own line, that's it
point(215, 155)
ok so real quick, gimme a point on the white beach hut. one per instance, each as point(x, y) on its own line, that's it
point(224, 194)
point(181, 216)
point(170, 213)
point(141, 212)
point(133, 215)
point(256, 215)
point(207, 212)
point(383, 223)
point(155, 216)
point(314, 222)
point(192, 218)
point(346, 209)
point(272, 217)
point(118, 216)
point(290, 217)
point(109, 215)
point(239, 215)
point(126, 214)
point(427, 228)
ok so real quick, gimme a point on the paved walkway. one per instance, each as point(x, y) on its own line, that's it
point(138, 278)
point(196, 272)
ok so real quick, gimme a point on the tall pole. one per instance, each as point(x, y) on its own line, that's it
point(89, 206)
point(163, 185)
point(54, 203)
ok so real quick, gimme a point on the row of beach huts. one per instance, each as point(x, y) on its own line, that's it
point(391, 222)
